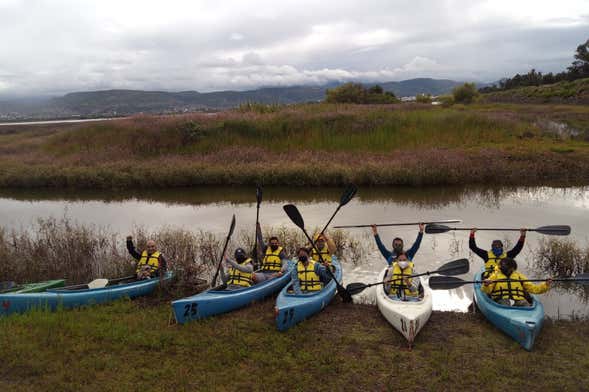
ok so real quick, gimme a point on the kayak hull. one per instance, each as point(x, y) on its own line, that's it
point(406, 317)
point(523, 324)
point(53, 299)
point(213, 302)
point(292, 308)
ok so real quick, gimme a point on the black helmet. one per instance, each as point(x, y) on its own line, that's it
point(240, 253)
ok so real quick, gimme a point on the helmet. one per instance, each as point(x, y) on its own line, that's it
point(240, 253)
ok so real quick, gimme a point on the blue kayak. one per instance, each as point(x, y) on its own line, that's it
point(523, 324)
point(74, 296)
point(216, 301)
point(293, 308)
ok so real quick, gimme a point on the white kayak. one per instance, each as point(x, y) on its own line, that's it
point(407, 317)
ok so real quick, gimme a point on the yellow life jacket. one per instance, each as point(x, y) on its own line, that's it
point(325, 254)
point(510, 289)
point(240, 278)
point(308, 279)
point(272, 260)
point(151, 260)
point(396, 279)
point(492, 263)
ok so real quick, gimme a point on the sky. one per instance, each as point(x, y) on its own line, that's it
point(59, 46)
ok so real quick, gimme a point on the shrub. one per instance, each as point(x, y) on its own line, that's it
point(466, 93)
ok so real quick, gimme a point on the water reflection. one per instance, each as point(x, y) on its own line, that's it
point(210, 209)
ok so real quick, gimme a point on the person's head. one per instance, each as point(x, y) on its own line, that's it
point(398, 245)
point(497, 247)
point(274, 244)
point(507, 266)
point(150, 246)
point(320, 240)
point(240, 255)
point(303, 254)
point(402, 261)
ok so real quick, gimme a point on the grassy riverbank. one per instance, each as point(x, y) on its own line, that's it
point(129, 346)
point(318, 144)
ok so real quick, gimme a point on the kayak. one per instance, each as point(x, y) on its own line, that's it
point(34, 287)
point(405, 316)
point(217, 300)
point(293, 308)
point(523, 324)
point(74, 296)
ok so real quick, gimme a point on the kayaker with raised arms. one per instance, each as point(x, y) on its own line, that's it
point(390, 256)
point(239, 272)
point(150, 262)
point(308, 275)
point(275, 261)
point(504, 285)
point(497, 253)
point(326, 248)
point(399, 285)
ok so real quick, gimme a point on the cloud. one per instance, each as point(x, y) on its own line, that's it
point(53, 47)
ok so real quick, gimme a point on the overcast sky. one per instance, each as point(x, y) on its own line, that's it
point(59, 46)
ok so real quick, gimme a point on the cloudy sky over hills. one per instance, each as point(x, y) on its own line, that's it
point(58, 46)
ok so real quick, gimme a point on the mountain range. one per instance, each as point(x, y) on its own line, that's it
point(108, 103)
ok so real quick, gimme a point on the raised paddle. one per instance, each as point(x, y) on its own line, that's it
point(548, 230)
point(348, 194)
point(295, 216)
point(231, 228)
point(399, 224)
point(456, 267)
point(256, 252)
point(448, 282)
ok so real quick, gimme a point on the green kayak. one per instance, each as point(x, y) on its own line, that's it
point(34, 287)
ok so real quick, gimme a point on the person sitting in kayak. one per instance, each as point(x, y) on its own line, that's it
point(239, 272)
point(150, 262)
point(492, 257)
point(505, 285)
point(326, 248)
point(390, 256)
point(308, 276)
point(399, 284)
point(275, 261)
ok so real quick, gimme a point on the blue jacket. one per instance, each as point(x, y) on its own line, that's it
point(392, 255)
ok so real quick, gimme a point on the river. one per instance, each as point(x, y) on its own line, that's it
point(210, 209)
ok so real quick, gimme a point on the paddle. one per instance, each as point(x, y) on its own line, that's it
point(549, 230)
point(348, 194)
point(399, 224)
point(295, 216)
point(456, 267)
point(448, 283)
point(99, 283)
point(255, 250)
point(231, 228)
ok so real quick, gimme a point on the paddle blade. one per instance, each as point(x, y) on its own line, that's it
point(348, 195)
point(445, 282)
point(295, 216)
point(554, 230)
point(232, 227)
point(436, 229)
point(259, 194)
point(356, 288)
point(456, 267)
point(98, 283)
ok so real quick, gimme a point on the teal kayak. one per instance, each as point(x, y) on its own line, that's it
point(75, 296)
point(34, 287)
point(523, 324)
point(293, 308)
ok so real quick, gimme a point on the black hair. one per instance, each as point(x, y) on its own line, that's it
point(273, 238)
point(304, 249)
point(397, 239)
point(509, 263)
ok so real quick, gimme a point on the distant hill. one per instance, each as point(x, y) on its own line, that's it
point(127, 102)
point(575, 92)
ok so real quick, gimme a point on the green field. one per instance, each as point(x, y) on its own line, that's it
point(129, 346)
point(314, 144)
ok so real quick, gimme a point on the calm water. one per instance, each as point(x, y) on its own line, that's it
point(210, 209)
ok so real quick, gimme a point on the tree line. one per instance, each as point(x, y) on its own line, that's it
point(579, 69)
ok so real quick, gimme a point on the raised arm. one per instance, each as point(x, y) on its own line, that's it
point(472, 245)
point(131, 249)
point(383, 250)
point(519, 246)
point(415, 247)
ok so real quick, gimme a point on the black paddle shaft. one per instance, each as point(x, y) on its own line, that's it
point(231, 228)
